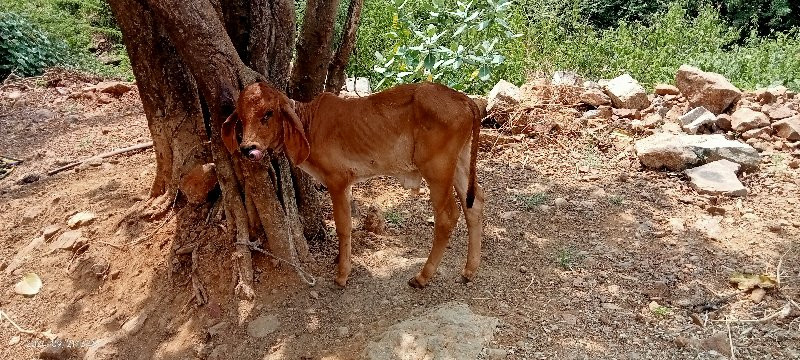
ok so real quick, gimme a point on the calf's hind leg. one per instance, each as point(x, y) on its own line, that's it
point(445, 215)
point(473, 215)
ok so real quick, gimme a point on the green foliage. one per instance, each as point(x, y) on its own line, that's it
point(24, 49)
point(75, 23)
point(530, 202)
point(455, 43)
point(652, 53)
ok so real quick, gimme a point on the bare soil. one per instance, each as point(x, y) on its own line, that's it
point(578, 246)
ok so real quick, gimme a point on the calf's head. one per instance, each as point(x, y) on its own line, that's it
point(265, 120)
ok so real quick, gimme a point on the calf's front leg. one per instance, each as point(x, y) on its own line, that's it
point(340, 198)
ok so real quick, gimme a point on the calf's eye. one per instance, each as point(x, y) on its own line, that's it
point(267, 115)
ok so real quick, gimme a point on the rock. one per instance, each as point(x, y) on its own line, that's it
point(49, 231)
point(778, 112)
point(68, 240)
point(778, 91)
point(625, 92)
point(757, 295)
point(262, 326)
point(14, 340)
point(375, 221)
point(697, 118)
point(664, 89)
point(503, 93)
point(788, 129)
point(44, 114)
point(652, 121)
point(717, 342)
point(220, 352)
point(29, 179)
point(114, 88)
point(627, 113)
point(218, 328)
point(31, 214)
point(19, 258)
point(359, 85)
point(757, 133)
point(679, 151)
point(105, 98)
point(81, 219)
point(717, 178)
point(745, 119)
point(199, 182)
point(595, 97)
point(496, 354)
point(58, 349)
point(343, 331)
point(561, 203)
point(710, 90)
point(676, 225)
point(724, 122)
point(710, 227)
point(14, 95)
point(450, 331)
point(566, 78)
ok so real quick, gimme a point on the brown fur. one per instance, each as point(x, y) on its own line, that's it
point(410, 132)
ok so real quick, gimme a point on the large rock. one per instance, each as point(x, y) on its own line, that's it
point(625, 92)
point(679, 151)
point(450, 331)
point(81, 219)
point(503, 93)
point(788, 129)
point(665, 89)
point(710, 90)
point(745, 119)
point(595, 97)
point(115, 88)
point(717, 178)
point(566, 78)
point(695, 119)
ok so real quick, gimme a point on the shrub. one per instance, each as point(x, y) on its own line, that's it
point(455, 43)
point(75, 22)
point(24, 49)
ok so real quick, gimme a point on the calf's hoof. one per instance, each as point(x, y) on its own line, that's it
point(466, 276)
point(341, 281)
point(415, 283)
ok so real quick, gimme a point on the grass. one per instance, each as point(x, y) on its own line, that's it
point(532, 201)
point(616, 200)
point(662, 311)
point(568, 257)
point(394, 217)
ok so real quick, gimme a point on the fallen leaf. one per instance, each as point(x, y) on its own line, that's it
point(750, 281)
point(29, 285)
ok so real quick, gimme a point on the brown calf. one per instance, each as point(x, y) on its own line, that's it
point(409, 132)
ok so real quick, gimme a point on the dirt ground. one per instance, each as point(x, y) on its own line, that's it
point(586, 255)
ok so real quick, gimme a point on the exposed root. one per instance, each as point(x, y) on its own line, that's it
point(200, 293)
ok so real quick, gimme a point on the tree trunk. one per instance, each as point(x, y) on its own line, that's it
point(170, 101)
point(313, 50)
point(336, 77)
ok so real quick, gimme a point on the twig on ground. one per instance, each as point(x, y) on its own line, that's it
point(783, 312)
point(24, 331)
point(730, 339)
point(102, 156)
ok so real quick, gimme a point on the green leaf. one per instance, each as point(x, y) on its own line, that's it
point(429, 61)
point(484, 73)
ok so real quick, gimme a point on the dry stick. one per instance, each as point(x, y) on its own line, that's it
point(730, 339)
point(102, 156)
point(783, 311)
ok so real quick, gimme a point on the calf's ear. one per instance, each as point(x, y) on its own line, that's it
point(295, 142)
point(229, 133)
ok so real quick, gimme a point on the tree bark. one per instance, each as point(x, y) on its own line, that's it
point(336, 76)
point(169, 98)
point(313, 50)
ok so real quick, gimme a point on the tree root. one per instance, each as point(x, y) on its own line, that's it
point(200, 293)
